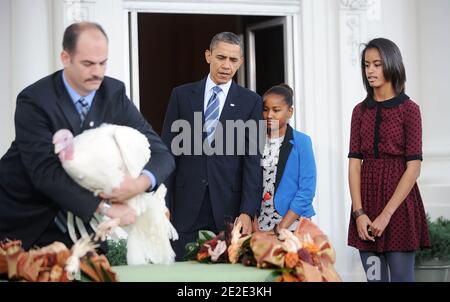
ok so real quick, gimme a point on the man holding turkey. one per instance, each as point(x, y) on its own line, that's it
point(35, 191)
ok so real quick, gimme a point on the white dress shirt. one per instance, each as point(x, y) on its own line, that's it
point(222, 95)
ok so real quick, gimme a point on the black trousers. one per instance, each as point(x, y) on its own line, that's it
point(204, 221)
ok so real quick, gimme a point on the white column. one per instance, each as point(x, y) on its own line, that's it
point(323, 121)
point(353, 22)
point(6, 100)
point(434, 65)
point(31, 43)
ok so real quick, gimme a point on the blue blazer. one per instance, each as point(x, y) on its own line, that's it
point(295, 182)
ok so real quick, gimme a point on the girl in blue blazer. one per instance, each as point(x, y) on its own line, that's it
point(289, 169)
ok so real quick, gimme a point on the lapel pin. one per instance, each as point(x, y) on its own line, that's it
point(232, 105)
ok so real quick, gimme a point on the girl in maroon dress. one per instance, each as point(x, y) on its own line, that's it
point(388, 222)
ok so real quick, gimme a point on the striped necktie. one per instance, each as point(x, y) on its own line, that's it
point(212, 113)
point(84, 109)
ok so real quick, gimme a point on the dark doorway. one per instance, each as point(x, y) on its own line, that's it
point(171, 53)
point(269, 58)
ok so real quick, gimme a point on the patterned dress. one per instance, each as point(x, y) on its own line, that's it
point(269, 217)
point(385, 135)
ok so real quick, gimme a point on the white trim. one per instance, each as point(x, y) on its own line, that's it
point(289, 68)
point(268, 23)
point(251, 58)
point(134, 94)
point(229, 7)
point(242, 70)
point(298, 82)
point(126, 55)
point(250, 33)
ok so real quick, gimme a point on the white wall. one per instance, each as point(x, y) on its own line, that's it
point(434, 47)
point(399, 23)
point(111, 19)
point(5, 77)
point(31, 42)
point(25, 55)
point(433, 79)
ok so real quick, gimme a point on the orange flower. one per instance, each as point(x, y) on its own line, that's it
point(287, 277)
point(12, 249)
point(291, 260)
point(202, 255)
point(29, 266)
point(56, 273)
point(97, 268)
point(311, 247)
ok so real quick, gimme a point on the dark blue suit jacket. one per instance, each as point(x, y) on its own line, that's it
point(234, 181)
point(33, 184)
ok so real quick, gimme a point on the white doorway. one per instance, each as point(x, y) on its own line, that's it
point(273, 18)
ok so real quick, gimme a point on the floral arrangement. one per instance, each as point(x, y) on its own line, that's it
point(303, 255)
point(208, 248)
point(54, 263)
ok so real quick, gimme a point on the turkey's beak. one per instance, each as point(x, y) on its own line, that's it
point(59, 147)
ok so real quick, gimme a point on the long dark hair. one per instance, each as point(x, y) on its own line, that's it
point(393, 68)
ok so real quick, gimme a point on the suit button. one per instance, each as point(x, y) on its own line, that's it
point(204, 182)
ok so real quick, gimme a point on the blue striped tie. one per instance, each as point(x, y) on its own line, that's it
point(84, 109)
point(212, 113)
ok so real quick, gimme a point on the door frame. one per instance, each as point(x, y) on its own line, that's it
point(286, 22)
point(289, 9)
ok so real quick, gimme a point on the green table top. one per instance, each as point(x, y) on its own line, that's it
point(191, 271)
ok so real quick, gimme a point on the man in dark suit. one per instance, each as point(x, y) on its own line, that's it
point(34, 188)
point(207, 190)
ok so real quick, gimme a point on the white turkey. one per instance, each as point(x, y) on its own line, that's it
point(97, 160)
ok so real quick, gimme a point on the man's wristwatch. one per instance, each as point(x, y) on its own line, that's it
point(104, 207)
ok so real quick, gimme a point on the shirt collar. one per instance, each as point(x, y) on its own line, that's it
point(210, 84)
point(391, 103)
point(74, 95)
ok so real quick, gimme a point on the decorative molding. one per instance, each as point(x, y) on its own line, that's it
point(355, 4)
point(355, 14)
point(263, 2)
point(353, 38)
point(78, 10)
point(225, 7)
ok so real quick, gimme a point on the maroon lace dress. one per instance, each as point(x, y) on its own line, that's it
point(385, 135)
